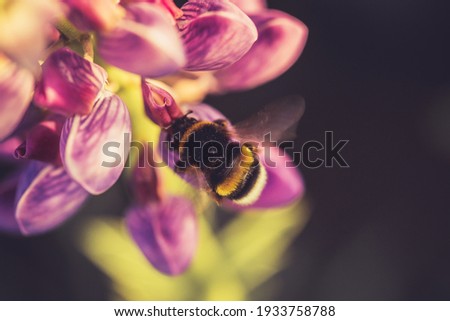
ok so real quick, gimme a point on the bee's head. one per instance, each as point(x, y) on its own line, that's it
point(182, 122)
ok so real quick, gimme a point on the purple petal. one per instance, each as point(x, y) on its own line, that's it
point(42, 141)
point(89, 15)
point(250, 6)
point(94, 147)
point(69, 83)
point(46, 197)
point(16, 86)
point(160, 106)
point(145, 42)
point(165, 232)
point(7, 149)
point(8, 221)
point(215, 33)
point(168, 5)
point(280, 43)
point(284, 183)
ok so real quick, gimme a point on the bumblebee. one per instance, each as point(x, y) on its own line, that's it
point(227, 156)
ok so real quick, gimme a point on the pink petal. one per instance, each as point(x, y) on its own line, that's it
point(89, 15)
point(16, 86)
point(250, 6)
point(85, 140)
point(69, 83)
point(215, 33)
point(7, 149)
point(42, 141)
point(165, 232)
point(160, 106)
point(168, 5)
point(280, 43)
point(145, 42)
point(46, 197)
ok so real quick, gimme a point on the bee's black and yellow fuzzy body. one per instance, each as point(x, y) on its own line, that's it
point(232, 170)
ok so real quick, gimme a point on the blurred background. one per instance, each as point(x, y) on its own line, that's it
point(374, 72)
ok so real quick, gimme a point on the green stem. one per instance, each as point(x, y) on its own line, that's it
point(87, 44)
point(68, 30)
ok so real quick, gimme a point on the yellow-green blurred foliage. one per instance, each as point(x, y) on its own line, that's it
point(230, 264)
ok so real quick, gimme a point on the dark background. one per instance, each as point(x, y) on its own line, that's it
point(376, 73)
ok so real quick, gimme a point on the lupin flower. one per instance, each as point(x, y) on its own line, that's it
point(281, 39)
point(208, 35)
point(163, 226)
point(281, 174)
point(62, 158)
point(65, 152)
point(45, 195)
point(74, 86)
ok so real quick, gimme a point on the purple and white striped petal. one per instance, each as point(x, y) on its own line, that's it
point(284, 183)
point(250, 6)
point(145, 42)
point(94, 147)
point(46, 197)
point(99, 15)
point(215, 33)
point(166, 232)
point(281, 41)
point(69, 83)
point(160, 106)
point(42, 141)
point(8, 188)
point(16, 86)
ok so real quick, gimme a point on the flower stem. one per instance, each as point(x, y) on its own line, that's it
point(87, 44)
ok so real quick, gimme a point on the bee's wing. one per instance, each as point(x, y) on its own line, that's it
point(279, 119)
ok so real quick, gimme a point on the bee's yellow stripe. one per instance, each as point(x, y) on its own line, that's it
point(237, 175)
point(190, 130)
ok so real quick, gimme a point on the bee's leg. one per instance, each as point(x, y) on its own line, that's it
point(216, 198)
